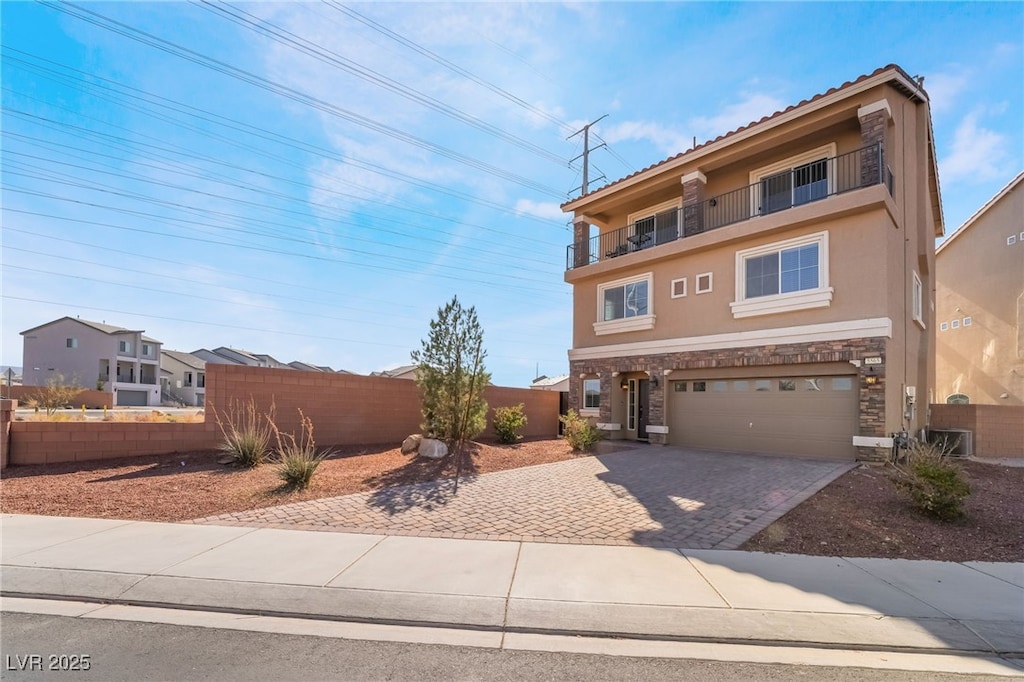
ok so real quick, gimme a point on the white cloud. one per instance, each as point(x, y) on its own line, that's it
point(667, 140)
point(540, 209)
point(943, 88)
point(978, 154)
point(753, 107)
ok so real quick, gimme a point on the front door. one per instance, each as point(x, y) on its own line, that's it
point(643, 400)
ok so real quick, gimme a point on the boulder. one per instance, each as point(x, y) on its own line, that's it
point(411, 444)
point(432, 449)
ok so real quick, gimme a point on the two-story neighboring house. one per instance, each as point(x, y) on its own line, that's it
point(979, 304)
point(183, 377)
point(769, 290)
point(95, 355)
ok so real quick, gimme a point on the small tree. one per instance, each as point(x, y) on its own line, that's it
point(451, 377)
point(56, 393)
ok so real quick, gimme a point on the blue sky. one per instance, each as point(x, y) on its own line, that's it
point(318, 194)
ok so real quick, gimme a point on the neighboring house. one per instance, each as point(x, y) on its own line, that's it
point(96, 355)
point(183, 377)
point(769, 290)
point(544, 383)
point(207, 355)
point(306, 367)
point(979, 304)
point(403, 372)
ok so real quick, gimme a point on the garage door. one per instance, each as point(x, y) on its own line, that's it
point(133, 398)
point(811, 415)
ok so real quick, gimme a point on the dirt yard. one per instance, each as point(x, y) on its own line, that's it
point(194, 485)
point(862, 515)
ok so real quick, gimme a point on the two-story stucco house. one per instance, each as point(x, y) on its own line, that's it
point(183, 377)
point(770, 290)
point(979, 304)
point(95, 355)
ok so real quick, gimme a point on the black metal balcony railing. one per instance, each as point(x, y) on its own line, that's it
point(802, 185)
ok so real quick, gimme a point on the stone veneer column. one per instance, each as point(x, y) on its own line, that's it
point(874, 120)
point(580, 242)
point(693, 203)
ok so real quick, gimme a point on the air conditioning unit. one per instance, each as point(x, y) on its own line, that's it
point(957, 442)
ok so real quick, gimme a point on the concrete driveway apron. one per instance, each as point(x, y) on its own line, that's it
point(649, 496)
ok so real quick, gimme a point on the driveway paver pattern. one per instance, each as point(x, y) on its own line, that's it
point(650, 496)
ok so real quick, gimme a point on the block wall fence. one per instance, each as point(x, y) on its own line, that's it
point(91, 398)
point(345, 409)
point(998, 430)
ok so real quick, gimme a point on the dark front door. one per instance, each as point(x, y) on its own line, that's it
point(643, 400)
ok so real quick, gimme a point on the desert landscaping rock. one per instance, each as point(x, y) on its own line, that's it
point(432, 449)
point(411, 444)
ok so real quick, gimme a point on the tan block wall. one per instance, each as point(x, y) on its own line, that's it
point(90, 398)
point(345, 409)
point(7, 408)
point(998, 429)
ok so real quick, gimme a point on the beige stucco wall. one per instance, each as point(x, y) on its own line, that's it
point(46, 348)
point(982, 277)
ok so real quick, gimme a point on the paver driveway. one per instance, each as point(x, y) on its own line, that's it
point(654, 496)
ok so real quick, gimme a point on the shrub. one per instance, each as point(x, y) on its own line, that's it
point(579, 432)
point(55, 394)
point(508, 422)
point(933, 481)
point(246, 433)
point(297, 458)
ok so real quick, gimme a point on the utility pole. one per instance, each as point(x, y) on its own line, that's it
point(586, 152)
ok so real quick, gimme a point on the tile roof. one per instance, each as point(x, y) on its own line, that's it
point(752, 124)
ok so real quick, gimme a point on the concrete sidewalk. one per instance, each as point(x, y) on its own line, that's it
point(699, 595)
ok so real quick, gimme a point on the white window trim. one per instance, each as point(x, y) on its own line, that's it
point(968, 321)
point(756, 176)
point(626, 324)
point(589, 411)
point(672, 288)
point(955, 324)
point(1012, 239)
point(711, 282)
point(944, 326)
point(788, 302)
point(654, 210)
point(917, 300)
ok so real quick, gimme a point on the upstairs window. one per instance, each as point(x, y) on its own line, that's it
point(782, 272)
point(72, 342)
point(628, 300)
point(795, 181)
point(124, 346)
point(625, 305)
point(917, 300)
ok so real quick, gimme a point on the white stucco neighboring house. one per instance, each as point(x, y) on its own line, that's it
point(123, 361)
point(183, 378)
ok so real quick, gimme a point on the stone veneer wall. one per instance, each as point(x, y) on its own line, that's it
point(872, 397)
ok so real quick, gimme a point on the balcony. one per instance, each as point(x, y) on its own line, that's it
point(802, 185)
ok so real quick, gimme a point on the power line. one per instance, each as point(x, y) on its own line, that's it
point(187, 54)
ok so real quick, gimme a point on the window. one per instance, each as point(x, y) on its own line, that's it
point(792, 182)
point(700, 386)
point(917, 300)
point(955, 324)
point(1011, 240)
point(188, 379)
point(967, 321)
point(201, 382)
point(944, 326)
point(787, 385)
point(679, 288)
point(958, 399)
point(740, 385)
point(655, 225)
point(624, 305)
point(719, 386)
point(124, 346)
point(842, 384)
point(147, 349)
point(782, 277)
point(679, 386)
point(763, 385)
point(813, 384)
point(72, 342)
point(704, 282)
point(591, 394)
